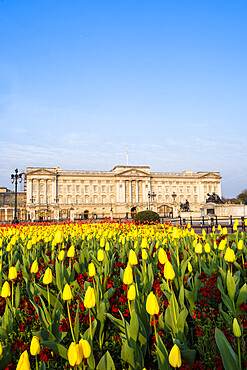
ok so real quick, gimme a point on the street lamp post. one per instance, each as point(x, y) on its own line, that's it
point(174, 195)
point(14, 179)
point(151, 196)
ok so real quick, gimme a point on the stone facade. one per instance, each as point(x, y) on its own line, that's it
point(53, 193)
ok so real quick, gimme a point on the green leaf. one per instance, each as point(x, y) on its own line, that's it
point(134, 326)
point(162, 355)
point(231, 286)
point(128, 355)
point(17, 295)
point(229, 357)
point(57, 348)
point(242, 296)
point(42, 366)
point(106, 362)
point(44, 335)
point(76, 327)
point(6, 357)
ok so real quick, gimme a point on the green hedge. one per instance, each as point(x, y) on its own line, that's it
point(147, 217)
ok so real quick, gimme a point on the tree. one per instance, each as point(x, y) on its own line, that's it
point(243, 196)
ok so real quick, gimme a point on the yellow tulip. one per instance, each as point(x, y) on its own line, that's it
point(175, 357)
point(71, 252)
point(169, 273)
point(67, 294)
point(162, 256)
point(5, 290)
point(47, 278)
point(23, 363)
point(29, 244)
point(79, 355)
point(34, 239)
point(12, 273)
point(240, 244)
point(235, 227)
point(85, 347)
point(190, 269)
point(35, 346)
point(89, 300)
point(1, 349)
point(144, 254)
point(207, 248)
point(198, 248)
point(61, 255)
point(102, 242)
point(34, 268)
point(72, 353)
point(100, 255)
point(189, 225)
point(107, 246)
point(131, 292)
point(230, 255)
point(58, 237)
point(128, 275)
point(222, 245)
point(236, 328)
point(224, 231)
point(91, 269)
point(152, 306)
point(132, 258)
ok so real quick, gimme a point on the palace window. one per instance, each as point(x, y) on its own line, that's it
point(77, 188)
point(86, 188)
point(68, 188)
point(95, 188)
point(103, 188)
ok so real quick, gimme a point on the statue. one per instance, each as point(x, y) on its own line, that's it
point(185, 207)
point(214, 198)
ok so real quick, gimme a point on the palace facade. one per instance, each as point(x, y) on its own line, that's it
point(56, 194)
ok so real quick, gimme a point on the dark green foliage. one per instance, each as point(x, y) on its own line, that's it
point(147, 217)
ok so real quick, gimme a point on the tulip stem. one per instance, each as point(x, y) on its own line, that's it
point(239, 354)
point(36, 360)
point(90, 323)
point(70, 323)
point(48, 297)
point(243, 260)
point(12, 294)
point(129, 307)
point(173, 305)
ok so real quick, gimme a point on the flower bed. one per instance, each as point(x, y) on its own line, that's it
point(122, 296)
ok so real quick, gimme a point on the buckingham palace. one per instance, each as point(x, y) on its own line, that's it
point(56, 194)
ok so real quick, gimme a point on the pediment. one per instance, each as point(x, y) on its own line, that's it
point(210, 175)
point(133, 173)
point(41, 171)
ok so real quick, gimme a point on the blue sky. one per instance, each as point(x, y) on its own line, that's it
point(81, 80)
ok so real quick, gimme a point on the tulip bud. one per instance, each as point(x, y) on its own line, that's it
point(67, 294)
point(79, 355)
point(236, 328)
point(35, 346)
point(203, 232)
point(152, 306)
point(175, 357)
point(190, 269)
point(189, 225)
point(29, 244)
point(128, 275)
point(91, 269)
point(100, 255)
point(198, 248)
point(5, 290)
point(47, 278)
point(34, 268)
point(162, 256)
point(61, 255)
point(12, 273)
point(34, 239)
point(224, 231)
point(1, 349)
point(144, 243)
point(71, 252)
point(85, 348)
point(23, 363)
point(207, 248)
point(222, 245)
point(102, 242)
point(58, 237)
point(107, 246)
point(169, 273)
point(89, 300)
point(72, 354)
point(230, 255)
point(132, 258)
point(131, 293)
point(240, 244)
point(144, 254)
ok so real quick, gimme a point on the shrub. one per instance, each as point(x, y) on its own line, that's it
point(147, 217)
